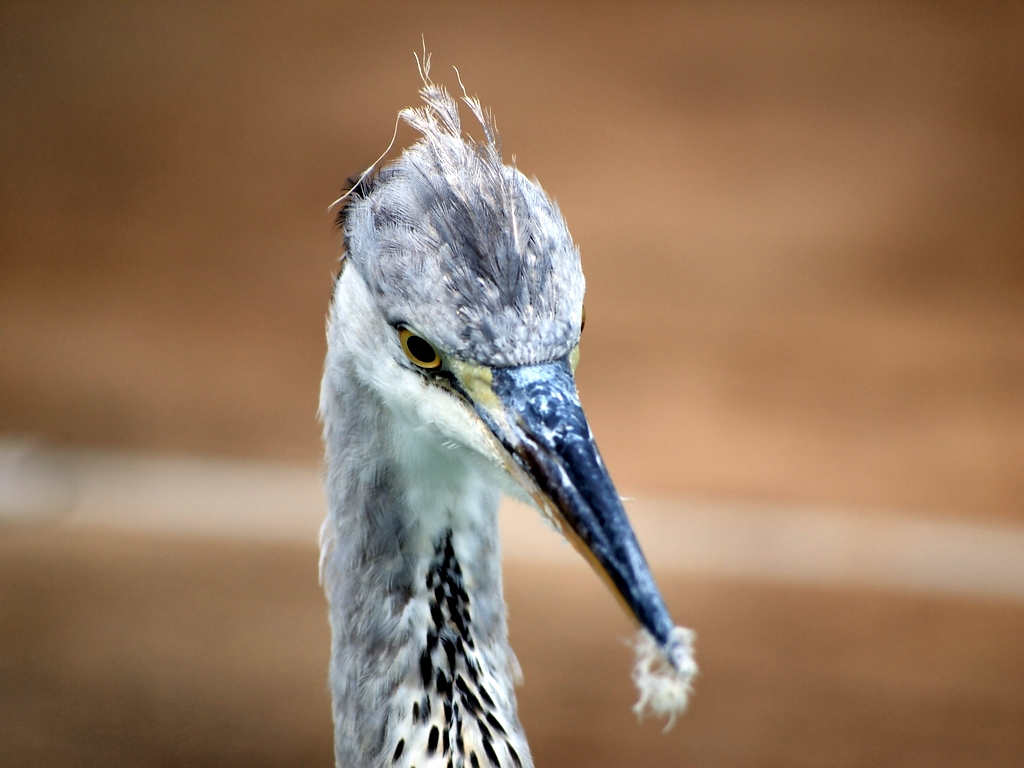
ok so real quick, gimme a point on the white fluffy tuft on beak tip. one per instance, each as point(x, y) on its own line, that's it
point(664, 683)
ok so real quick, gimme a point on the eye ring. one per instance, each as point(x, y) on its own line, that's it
point(419, 351)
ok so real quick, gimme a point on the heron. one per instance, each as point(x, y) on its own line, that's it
point(453, 339)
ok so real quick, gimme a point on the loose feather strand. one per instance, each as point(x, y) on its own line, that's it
point(664, 675)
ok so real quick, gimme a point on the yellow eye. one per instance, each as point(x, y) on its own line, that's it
point(419, 350)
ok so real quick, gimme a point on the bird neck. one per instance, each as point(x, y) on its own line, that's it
point(421, 669)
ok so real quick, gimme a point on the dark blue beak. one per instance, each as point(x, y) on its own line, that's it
point(539, 421)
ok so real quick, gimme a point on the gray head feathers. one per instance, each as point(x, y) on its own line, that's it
point(463, 248)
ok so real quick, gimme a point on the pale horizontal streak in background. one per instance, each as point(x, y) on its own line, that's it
point(221, 497)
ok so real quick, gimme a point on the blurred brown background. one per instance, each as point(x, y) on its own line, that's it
point(802, 229)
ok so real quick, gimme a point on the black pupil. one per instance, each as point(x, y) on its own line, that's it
point(421, 350)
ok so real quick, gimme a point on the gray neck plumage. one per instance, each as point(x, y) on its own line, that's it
point(421, 670)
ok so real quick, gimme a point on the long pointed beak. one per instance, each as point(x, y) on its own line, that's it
point(535, 413)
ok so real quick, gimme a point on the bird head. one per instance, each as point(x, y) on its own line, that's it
point(468, 308)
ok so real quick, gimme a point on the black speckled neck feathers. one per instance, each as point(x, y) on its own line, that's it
point(456, 715)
